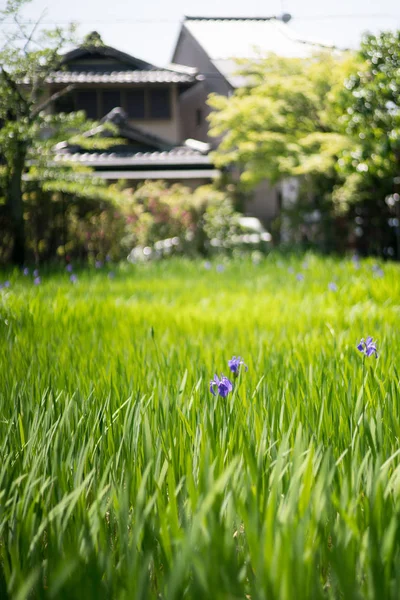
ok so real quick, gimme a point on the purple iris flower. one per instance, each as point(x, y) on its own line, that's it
point(368, 347)
point(224, 386)
point(378, 272)
point(26, 271)
point(69, 268)
point(300, 277)
point(7, 284)
point(36, 273)
point(73, 278)
point(37, 280)
point(332, 286)
point(98, 264)
point(235, 363)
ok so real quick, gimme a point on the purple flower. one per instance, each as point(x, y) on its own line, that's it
point(300, 277)
point(368, 347)
point(235, 363)
point(111, 275)
point(98, 264)
point(7, 284)
point(220, 268)
point(69, 268)
point(37, 280)
point(36, 273)
point(26, 271)
point(332, 286)
point(108, 258)
point(207, 265)
point(378, 272)
point(73, 278)
point(356, 261)
point(224, 386)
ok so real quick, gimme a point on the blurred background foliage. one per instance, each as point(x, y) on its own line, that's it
point(331, 121)
point(64, 225)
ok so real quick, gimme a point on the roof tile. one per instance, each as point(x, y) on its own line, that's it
point(154, 76)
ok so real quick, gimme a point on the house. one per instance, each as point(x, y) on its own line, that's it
point(138, 156)
point(212, 45)
point(143, 103)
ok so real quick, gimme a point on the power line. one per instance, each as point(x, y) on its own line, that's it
point(94, 21)
point(128, 21)
point(349, 16)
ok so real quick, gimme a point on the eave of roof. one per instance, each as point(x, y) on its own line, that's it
point(177, 156)
point(171, 174)
point(155, 76)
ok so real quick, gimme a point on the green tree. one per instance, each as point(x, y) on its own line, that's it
point(370, 114)
point(282, 123)
point(28, 130)
point(369, 103)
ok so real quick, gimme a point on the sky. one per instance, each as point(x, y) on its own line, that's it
point(148, 29)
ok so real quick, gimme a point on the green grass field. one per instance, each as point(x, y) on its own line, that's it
point(121, 476)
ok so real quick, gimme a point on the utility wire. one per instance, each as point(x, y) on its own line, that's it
point(128, 21)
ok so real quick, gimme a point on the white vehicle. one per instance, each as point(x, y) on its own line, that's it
point(254, 226)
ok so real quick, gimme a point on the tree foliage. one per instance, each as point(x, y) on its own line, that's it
point(28, 129)
point(334, 120)
point(370, 114)
point(283, 122)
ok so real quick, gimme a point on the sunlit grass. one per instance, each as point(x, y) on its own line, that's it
point(122, 477)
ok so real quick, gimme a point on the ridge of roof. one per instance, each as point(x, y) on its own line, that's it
point(190, 18)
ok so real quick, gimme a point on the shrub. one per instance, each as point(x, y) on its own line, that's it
point(62, 225)
point(156, 212)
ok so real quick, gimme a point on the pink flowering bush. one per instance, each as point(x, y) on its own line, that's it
point(60, 225)
point(156, 211)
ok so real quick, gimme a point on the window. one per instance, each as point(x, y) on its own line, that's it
point(138, 103)
point(160, 104)
point(87, 100)
point(199, 117)
point(111, 99)
point(65, 104)
point(135, 105)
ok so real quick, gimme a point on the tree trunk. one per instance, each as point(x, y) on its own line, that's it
point(15, 205)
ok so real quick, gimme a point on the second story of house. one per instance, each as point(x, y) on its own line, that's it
point(103, 78)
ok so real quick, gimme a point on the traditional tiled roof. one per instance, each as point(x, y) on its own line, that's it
point(142, 76)
point(180, 155)
point(95, 63)
point(226, 39)
point(169, 174)
point(154, 151)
